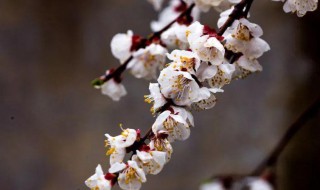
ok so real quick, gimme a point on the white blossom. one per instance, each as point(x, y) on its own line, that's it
point(131, 177)
point(119, 143)
point(205, 104)
point(155, 97)
point(121, 45)
point(184, 61)
point(146, 61)
point(259, 184)
point(208, 48)
point(245, 66)
point(117, 166)
point(175, 37)
point(215, 185)
point(244, 37)
point(174, 124)
point(222, 77)
point(113, 89)
point(97, 181)
point(161, 144)
point(224, 16)
point(150, 161)
point(181, 87)
point(299, 6)
point(206, 71)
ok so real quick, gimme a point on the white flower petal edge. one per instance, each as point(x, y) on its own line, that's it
point(212, 186)
point(152, 162)
point(131, 177)
point(113, 89)
point(146, 61)
point(301, 7)
point(259, 184)
point(119, 143)
point(207, 48)
point(173, 124)
point(155, 97)
point(98, 181)
point(121, 45)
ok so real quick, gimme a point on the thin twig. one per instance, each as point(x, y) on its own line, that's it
point(118, 71)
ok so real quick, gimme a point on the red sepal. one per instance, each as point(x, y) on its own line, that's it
point(211, 32)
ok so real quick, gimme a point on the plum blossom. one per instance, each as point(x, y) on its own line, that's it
point(204, 43)
point(222, 77)
point(160, 143)
point(301, 7)
point(118, 144)
point(97, 181)
point(155, 97)
point(131, 177)
point(121, 46)
point(206, 103)
point(245, 66)
point(112, 88)
point(184, 61)
point(146, 61)
point(215, 185)
point(175, 37)
point(259, 184)
point(205, 71)
point(244, 37)
point(174, 123)
point(150, 161)
point(181, 87)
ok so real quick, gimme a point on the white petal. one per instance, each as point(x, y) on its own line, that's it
point(133, 184)
point(118, 155)
point(116, 167)
point(212, 186)
point(144, 156)
point(260, 184)
point(120, 46)
point(206, 71)
point(113, 89)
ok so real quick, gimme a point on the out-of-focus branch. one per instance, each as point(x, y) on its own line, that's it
point(291, 132)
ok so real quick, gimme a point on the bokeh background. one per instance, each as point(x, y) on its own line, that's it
point(52, 122)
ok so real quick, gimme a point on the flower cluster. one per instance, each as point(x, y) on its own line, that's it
point(201, 64)
point(301, 7)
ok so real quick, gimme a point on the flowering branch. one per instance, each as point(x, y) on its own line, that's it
point(205, 62)
point(236, 14)
point(116, 74)
point(291, 132)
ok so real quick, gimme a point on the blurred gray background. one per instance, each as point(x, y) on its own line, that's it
point(53, 122)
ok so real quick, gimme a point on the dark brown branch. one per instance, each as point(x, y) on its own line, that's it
point(236, 14)
point(293, 129)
